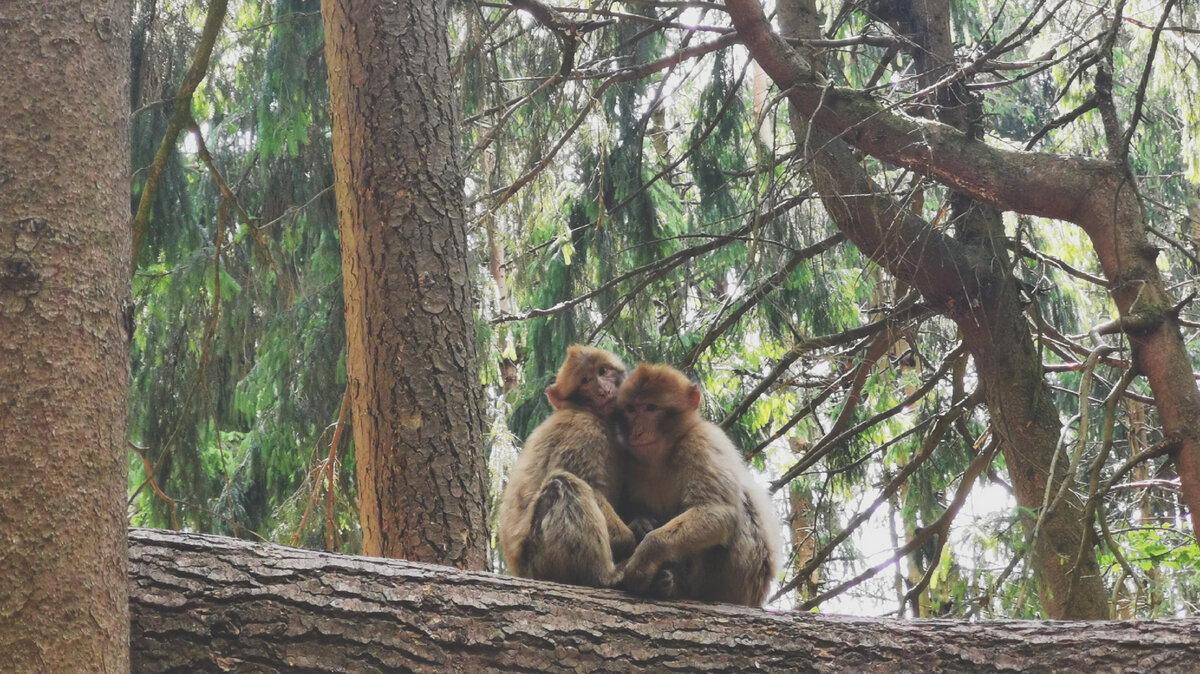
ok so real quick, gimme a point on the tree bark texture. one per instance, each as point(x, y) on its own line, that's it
point(411, 343)
point(969, 277)
point(1097, 195)
point(213, 604)
point(64, 275)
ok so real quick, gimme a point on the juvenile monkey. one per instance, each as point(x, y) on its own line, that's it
point(719, 541)
point(556, 517)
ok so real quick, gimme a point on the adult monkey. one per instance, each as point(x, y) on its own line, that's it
point(720, 540)
point(556, 517)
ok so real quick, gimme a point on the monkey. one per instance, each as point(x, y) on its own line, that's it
point(720, 537)
point(557, 520)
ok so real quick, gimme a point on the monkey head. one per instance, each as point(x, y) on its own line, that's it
point(660, 405)
point(588, 379)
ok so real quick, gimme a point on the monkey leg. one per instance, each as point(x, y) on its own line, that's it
point(568, 536)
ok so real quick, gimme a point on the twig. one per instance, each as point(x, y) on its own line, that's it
point(928, 445)
point(906, 310)
point(941, 527)
point(827, 443)
point(760, 292)
point(1140, 97)
point(330, 526)
point(154, 485)
point(568, 33)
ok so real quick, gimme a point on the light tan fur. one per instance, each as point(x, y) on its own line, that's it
point(721, 536)
point(556, 517)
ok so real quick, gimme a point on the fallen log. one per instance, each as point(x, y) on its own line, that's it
point(215, 604)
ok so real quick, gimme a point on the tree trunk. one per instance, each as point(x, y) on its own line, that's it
point(411, 343)
point(213, 604)
point(974, 287)
point(64, 275)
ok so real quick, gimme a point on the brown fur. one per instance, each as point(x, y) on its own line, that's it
point(720, 538)
point(556, 517)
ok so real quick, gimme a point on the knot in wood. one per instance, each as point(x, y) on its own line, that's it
point(18, 274)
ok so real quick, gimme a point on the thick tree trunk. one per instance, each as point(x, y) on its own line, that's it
point(64, 350)
point(64, 274)
point(411, 355)
point(212, 604)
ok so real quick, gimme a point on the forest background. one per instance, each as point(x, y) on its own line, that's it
point(639, 185)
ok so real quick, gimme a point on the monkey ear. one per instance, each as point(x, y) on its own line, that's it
point(556, 399)
point(693, 397)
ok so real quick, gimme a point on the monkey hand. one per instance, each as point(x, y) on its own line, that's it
point(642, 568)
point(641, 526)
point(668, 583)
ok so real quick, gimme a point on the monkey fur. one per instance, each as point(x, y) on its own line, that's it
point(720, 537)
point(557, 520)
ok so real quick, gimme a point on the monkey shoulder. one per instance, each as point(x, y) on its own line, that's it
point(707, 443)
point(710, 441)
point(568, 422)
point(714, 465)
point(568, 428)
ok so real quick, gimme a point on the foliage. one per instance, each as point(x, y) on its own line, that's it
point(238, 365)
point(654, 203)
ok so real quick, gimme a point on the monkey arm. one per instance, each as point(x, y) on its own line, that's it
point(695, 529)
point(620, 536)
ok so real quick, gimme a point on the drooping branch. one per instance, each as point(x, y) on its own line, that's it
point(568, 33)
point(833, 439)
point(1140, 97)
point(928, 445)
point(657, 268)
point(940, 527)
point(180, 116)
point(906, 311)
point(757, 295)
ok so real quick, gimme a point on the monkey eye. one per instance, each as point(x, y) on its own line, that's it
point(585, 380)
point(603, 370)
point(651, 407)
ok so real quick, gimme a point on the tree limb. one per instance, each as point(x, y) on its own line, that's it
point(180, 116)
point(214, 604)
point(1046, 185)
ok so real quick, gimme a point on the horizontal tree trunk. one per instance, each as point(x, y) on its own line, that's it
point(213, 604)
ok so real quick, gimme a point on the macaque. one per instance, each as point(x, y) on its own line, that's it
point(719, 540)
point(557, 520)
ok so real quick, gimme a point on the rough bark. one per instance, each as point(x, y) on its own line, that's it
point(212, 604)
point(64, 274)
point(982, 298)
point(411, 344)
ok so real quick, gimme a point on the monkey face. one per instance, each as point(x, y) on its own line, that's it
point(660, 404)
point(589, 379)
point(646, 422)
point(598, 388)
